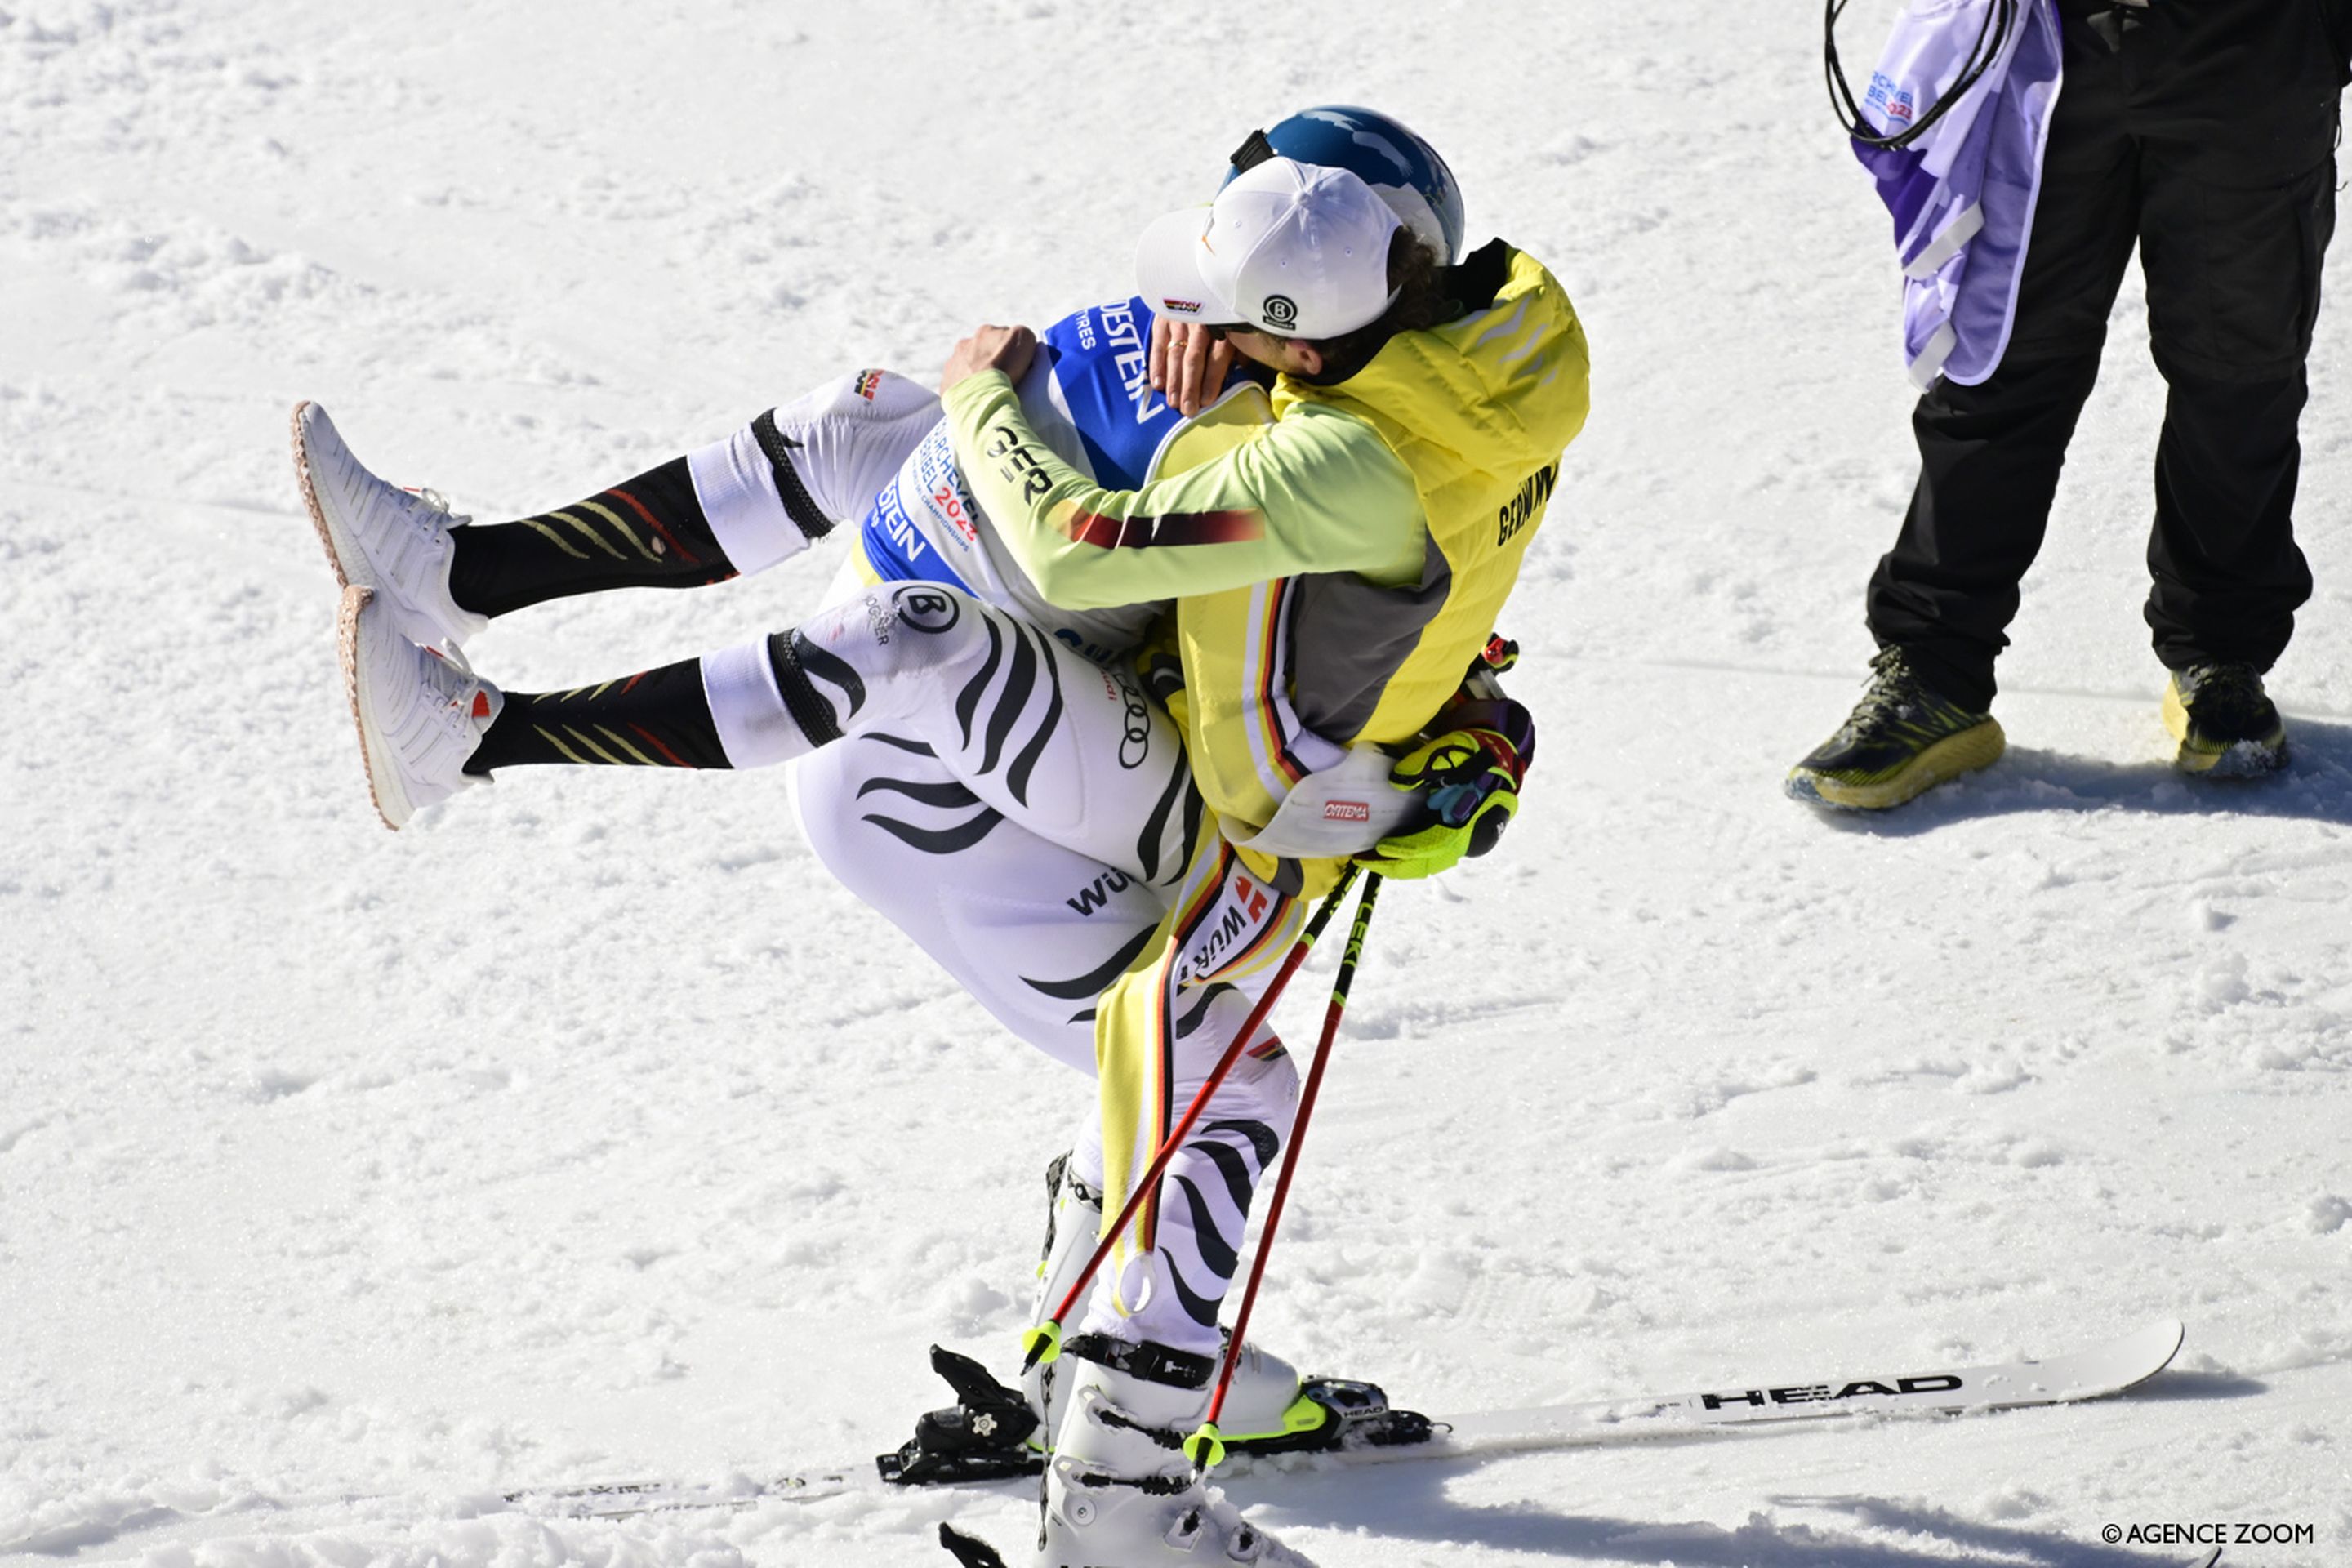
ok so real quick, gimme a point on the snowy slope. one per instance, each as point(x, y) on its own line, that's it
point(586, 1129)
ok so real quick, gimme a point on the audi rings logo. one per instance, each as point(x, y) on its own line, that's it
point(1134, 744)
point(1281, 311)
point(922, 609)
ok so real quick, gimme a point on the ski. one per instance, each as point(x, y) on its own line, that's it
point(2091, 1374)
point(2095, 1372)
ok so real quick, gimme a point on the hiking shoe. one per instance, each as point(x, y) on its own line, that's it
point(1900, 739)
point(2225, 725)
point(379, 536)
point(421, 715)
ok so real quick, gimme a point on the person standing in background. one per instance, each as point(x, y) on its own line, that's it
point(2204, 132)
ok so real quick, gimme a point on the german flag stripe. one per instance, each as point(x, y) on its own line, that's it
point(1247, 959)
point(1106, 532)
point(1195, 914)
point(1268, 702)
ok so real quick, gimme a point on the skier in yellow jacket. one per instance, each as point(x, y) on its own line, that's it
point(1333, 580)
point(1334, 575)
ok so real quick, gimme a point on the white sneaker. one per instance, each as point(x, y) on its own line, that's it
point(380, 536)
point(1120, 1493)
point(1262, 1404)
point(420, 714)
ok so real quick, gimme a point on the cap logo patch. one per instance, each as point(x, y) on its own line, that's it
point(1182, 306)
point(1281, 310)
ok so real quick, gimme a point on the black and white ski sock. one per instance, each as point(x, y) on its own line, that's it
point(656, 719)
point(648, 532)
point(743, 707)
point(735, 506)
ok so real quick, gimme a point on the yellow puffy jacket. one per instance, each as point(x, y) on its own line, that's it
point(1478, 411)
point(1335, 574)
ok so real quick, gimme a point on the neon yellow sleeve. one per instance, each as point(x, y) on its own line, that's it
point(1319, 492)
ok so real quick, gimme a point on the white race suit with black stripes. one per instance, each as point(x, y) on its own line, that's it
point(999, 783)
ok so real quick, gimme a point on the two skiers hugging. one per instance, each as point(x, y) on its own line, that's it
point(1199, 646)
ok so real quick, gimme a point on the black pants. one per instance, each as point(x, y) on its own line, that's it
point(2202, 131)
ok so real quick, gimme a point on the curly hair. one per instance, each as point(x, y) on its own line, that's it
point(1417, 278)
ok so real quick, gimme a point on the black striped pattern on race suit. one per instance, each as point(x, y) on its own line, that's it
point(1198, 1012)
point(799, 664)
point(1219, 1251)
point(963, 819)
point(992, 719)
point(1093, 983)
point(1008, 713)
point(1179, 790)
point(1241, 1172)
point(991, 710)
point(1029, 651)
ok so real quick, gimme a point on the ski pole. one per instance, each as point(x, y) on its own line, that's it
point(1205, 1448)
point(1043, 1343)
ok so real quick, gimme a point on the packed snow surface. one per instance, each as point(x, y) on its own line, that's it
point(586, 1130)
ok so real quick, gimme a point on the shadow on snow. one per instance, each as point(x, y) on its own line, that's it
point(1412, 1506)
point(2316, 786)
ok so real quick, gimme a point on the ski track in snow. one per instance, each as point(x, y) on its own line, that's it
point(586, 1129)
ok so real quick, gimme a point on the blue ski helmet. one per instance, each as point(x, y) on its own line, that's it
point(1403, 169)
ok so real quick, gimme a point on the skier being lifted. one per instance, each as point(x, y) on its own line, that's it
point(1087, 642)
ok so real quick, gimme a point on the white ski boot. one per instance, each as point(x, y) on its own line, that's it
point(995, 1430)
point(379, 536)
point(1264, 1407)
point(992, 1430)
point(421, 715)
point(1119, 1493)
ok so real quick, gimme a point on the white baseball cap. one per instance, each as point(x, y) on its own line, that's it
point(1292, 248)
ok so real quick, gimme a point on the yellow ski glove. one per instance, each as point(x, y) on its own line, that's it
point(1469, 778)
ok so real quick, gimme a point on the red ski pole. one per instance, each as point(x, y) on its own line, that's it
point(1205, 1448)
point(1043, 1343)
